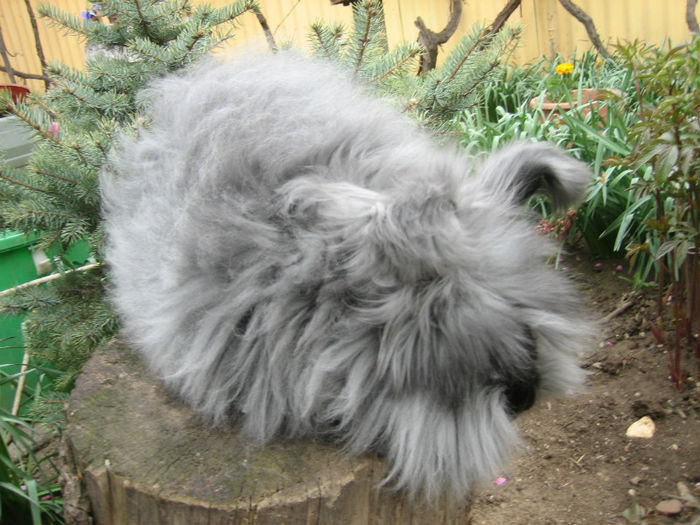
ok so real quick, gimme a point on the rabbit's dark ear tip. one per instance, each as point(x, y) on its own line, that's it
point(522, 170)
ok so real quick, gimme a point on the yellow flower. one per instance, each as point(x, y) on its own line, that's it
point(565, 69)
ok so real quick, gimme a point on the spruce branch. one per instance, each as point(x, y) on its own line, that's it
point(364, 39)
point(50, 112)
point(233, 11)
point(12, 108)
point(326, 40)
point(481, 77)
point(47, 173)
point(35, 213)
point(396, 65)
point(149, 50)
point(81, 99)
point(68, 22)
point(145, 25)
point(482, 40)
point(20, 183)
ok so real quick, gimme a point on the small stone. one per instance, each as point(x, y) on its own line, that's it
point(636, 480)
point(684, 491)
point(669, 507)
point(642, 428)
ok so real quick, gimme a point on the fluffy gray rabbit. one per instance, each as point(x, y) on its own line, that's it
point(291, 253)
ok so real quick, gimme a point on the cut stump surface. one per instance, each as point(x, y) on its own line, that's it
point(146, 458)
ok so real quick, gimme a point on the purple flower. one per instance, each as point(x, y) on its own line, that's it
point(88, 15)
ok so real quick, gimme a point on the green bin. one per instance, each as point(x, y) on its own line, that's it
point(21, 262)
point(16, 267)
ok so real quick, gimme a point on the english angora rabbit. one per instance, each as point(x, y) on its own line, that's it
point(292, 253)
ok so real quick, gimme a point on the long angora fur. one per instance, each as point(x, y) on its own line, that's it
point(292, 253)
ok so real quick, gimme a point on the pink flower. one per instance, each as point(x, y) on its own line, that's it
point(499, 481)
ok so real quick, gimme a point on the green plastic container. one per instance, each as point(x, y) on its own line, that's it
point(16, 267)
point(21, 262)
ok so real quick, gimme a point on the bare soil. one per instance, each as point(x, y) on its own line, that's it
point(578, 466)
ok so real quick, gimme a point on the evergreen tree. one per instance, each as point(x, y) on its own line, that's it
point(436, 97)
point(132, 41)
point(56, 197)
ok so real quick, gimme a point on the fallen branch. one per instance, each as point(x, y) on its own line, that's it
point(622, 307)
point(48, 278)
point(20, 384)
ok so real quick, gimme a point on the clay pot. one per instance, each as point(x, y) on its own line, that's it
point(590, 98)
point(18, 92)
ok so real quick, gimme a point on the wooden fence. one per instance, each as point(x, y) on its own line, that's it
point(547, 27)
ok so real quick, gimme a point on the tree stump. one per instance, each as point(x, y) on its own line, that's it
point(146, 458)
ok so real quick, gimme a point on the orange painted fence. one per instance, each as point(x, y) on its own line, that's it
point(547, 27)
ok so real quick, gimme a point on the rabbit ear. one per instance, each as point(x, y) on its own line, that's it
point(520, 170)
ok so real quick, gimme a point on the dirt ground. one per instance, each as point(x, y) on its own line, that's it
point(578, 466)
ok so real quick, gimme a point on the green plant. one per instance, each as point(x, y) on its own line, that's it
point(29, 489)
point(435, 97)
point(510, 88)
point(610, 218)
point(664, 151)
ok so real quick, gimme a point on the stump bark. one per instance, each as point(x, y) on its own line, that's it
point(145, 458)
